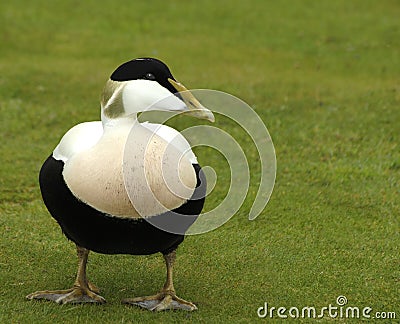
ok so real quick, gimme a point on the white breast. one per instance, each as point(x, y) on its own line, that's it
point(158, 175)
point(79, 138)
point(173, 137)
point(151, 178)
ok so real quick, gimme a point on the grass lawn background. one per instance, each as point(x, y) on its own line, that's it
point(324, 77)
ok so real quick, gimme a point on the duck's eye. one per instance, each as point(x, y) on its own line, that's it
point(150, 76)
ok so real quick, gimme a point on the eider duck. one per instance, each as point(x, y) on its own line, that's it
point(118, 186)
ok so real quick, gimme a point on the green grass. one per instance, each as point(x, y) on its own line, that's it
point(323, 75)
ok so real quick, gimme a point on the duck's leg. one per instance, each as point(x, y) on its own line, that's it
point(82, 291)
point(167, 298)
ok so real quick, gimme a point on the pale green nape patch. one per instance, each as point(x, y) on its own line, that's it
point(112, 91)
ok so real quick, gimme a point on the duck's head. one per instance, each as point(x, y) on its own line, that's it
point(147, 84)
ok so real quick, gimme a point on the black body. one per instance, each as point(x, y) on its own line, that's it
point(103, 233)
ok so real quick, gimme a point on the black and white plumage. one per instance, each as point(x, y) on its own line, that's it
point(114, 186)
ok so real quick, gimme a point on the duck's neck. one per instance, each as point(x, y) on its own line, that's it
point(119, 122)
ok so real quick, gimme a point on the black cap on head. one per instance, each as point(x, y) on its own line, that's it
point(144, 69)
